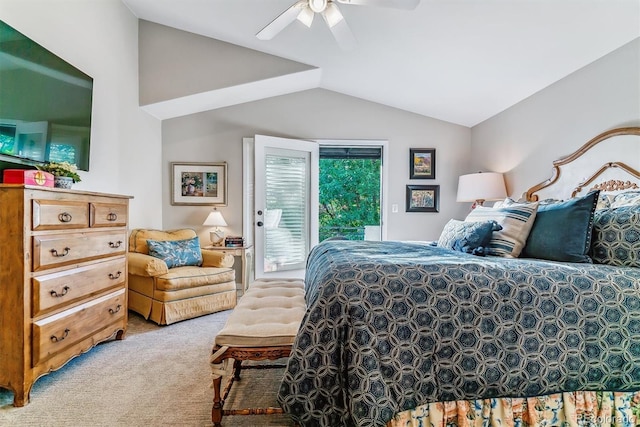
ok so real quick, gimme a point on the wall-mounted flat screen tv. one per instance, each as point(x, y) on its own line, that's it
point(45, 104)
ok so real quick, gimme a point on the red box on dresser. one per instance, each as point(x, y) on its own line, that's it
point(29, 177)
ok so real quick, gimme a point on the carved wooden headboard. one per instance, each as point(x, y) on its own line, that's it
point(613, 174)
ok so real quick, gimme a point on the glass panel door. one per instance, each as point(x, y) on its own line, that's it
point(286, 200)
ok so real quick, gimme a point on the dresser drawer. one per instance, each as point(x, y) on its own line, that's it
point(54, 290)
point(57, 250)
point(59, 214)
point(108, 214)
point(53, 334)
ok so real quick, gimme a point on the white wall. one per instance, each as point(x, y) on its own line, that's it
point(319, 114)
point(524, 140)
point(101, 38)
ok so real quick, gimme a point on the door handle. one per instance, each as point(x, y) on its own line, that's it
point(259, 224)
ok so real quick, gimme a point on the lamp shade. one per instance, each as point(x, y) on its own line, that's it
point(215, 219)
point(481, 186)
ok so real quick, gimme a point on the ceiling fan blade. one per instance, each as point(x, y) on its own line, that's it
point(394, 4)
point(339, 28)
point(284, 19)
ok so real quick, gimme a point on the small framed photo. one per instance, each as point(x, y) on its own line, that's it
point(199, 183)
point(423, 198)
point(422, 163)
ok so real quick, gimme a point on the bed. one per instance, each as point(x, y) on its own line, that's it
point(420, 334)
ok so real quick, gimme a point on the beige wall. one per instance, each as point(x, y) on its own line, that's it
point(319, 114)
point(524, 140)
point(176, 63)
point(101, 38)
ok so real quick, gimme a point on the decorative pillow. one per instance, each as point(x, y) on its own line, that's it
point(627, 198)
point(516, 221)
point(604, 200)
point(139, 236)
point(562, 230)
point(616, 236)
point(176, 253)
point(469, 237)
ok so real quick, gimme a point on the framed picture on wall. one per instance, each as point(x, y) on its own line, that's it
point(423, 198)
point(199, 183)
point(422, 163)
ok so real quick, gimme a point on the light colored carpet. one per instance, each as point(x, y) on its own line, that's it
point(156, 376)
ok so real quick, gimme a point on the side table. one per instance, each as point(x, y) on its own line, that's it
point(246, 256)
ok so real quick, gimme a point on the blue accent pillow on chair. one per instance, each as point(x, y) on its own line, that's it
point(562, 230)
point(177, 253)
point(469, 237)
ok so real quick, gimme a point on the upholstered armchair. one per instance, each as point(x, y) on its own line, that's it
point(170, 285)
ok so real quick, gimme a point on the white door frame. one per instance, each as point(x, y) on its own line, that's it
point(251, 188)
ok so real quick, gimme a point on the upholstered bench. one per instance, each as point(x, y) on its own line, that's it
point(262, 326)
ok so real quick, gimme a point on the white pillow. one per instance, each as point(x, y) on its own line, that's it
point(516, 221)
point(604, 200)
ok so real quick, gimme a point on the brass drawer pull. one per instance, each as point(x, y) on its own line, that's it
point(56, 254)
point(54, 338)
point(116, 244)
point(112, 217)
point(65, 290)
point(65, 217)
point(112, 311)
point(115, 276)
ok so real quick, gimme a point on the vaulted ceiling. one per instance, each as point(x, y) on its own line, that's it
point(461, 61)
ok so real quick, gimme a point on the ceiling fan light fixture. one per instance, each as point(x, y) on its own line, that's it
point(306, 16)
point(318, 6)
point(304, 11)
point(332, 15)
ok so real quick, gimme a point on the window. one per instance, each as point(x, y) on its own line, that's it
point(350, 192)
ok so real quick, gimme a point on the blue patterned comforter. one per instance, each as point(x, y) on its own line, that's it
point(393, 325)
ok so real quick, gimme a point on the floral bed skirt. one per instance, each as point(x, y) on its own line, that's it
point(577, 409)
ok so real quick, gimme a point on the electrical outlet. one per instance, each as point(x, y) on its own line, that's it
point(394, 208)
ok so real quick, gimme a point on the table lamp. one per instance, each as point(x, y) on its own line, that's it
point(481, 186)
point(215, 219)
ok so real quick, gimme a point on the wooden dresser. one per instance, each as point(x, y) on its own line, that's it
point(63, 279)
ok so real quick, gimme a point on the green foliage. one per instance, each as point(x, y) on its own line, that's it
point(61, 169)
point(349, 194)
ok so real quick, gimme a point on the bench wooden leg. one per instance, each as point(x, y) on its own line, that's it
point(216, 410)
point(237, 365)
point(238, 354)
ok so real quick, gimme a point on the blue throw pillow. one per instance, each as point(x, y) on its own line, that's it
point(562, 230)
point(468, 237)
point(616, 236)
point(176, 253)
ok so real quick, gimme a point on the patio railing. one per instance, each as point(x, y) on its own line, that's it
point(365, 232)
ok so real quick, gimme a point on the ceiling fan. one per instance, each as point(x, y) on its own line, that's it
point(305, 10)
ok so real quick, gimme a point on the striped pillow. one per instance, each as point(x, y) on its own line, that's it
point(516, 221)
